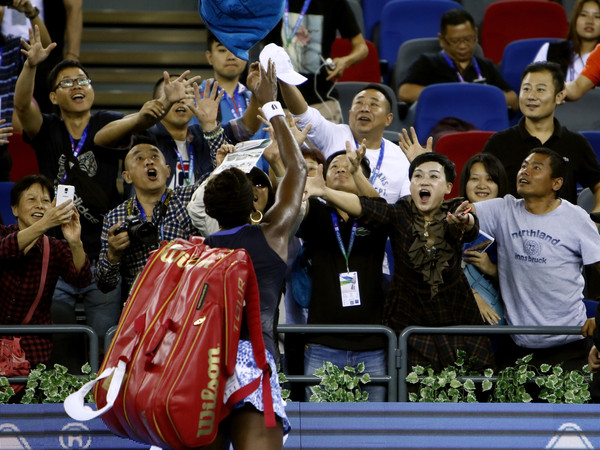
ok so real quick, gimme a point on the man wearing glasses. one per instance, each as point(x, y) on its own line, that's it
point(456, 62)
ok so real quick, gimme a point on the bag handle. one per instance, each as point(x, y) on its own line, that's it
point(45, 259)
point(75, 405)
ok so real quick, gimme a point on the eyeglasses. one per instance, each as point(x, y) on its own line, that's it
point(70, 82)
point(455, 42)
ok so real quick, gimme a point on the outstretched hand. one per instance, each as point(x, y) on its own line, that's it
point(179, 88)
point(34, 50)
point(266, 88)
point(355, 157)
point(410, 144)
point(206, 104)
point(315, 186)
point(461, 216)
point(253, 78)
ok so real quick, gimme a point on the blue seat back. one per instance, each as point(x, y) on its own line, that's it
point(482, 105)
point(5, 209)
point(517, 55)
point(402, 20)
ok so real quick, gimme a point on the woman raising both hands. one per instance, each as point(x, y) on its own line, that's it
point(428, 287)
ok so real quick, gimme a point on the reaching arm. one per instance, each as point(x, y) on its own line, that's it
point(363, 185)
point(74, 27)
point(315, 187)
point(151, 112)
point(409, 144)
point(53, 216)
point(116, 130)
point(409, 92)
point(512, 100)
point(576, 89)
point(250, 118)
point(293, 98)
point(28, 113)
point(280, 219)
point(357, 54)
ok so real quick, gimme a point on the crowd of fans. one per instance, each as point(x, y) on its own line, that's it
point(363, 190)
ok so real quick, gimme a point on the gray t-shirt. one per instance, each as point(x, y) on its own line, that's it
point(540, 262)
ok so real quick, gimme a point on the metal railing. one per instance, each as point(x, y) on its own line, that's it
point(391, 379)
point(464, 329)
point(19, 330)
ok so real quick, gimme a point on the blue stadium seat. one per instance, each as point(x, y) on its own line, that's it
point(5, 209)
point(372, 15)
point(402, 20)
point(517, 55)
point(482, 105)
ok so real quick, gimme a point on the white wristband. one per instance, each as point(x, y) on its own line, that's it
point(272, 109)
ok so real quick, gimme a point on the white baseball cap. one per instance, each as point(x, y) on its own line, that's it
point(283, 64)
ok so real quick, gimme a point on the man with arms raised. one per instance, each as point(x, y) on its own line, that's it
point(370, 114)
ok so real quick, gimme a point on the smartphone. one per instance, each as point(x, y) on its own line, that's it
point(64, 192)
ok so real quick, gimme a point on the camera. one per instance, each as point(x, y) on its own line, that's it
point(139, 230)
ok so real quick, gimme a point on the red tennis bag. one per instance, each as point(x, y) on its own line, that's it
point(175, 348)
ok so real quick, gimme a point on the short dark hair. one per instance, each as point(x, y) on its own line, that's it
point(58, 68)
point(25, 183)
point(558, 76)
point(453, 17)
point(142, 137)
point(310, 150)
point(380, 88)
point(364, 164)
point(443, 160)
point(493, 167)
point(229, 198)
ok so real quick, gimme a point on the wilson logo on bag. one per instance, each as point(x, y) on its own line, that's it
point(163, 379)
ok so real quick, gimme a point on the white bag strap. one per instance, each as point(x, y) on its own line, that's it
point(75, 403)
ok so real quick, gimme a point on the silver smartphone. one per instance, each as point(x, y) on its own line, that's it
point(64, 193)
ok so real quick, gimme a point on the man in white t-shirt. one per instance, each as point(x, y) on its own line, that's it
point(543, 243)
point(370, 114)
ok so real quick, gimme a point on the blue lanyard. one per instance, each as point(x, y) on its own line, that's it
point(76, 149)
point(460, 77)
point(236, 103)
point(143, 215)
point(338, 235)
point(375, 172)
point(190, 173)
point(286, 20)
